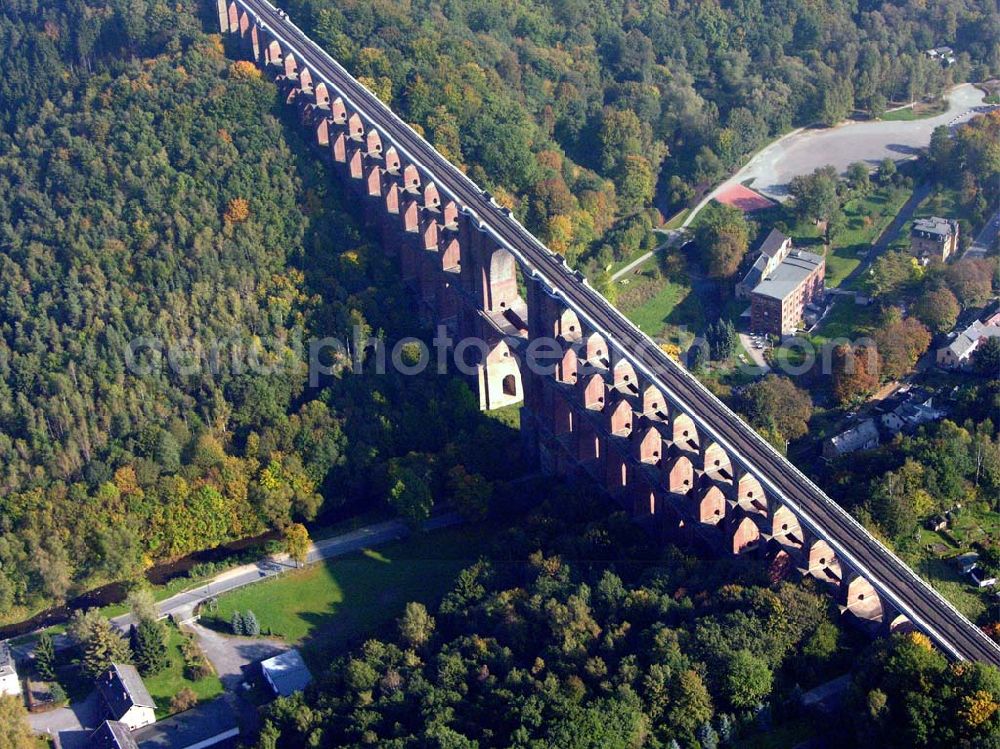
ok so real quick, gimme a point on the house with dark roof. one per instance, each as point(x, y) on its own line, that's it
point(112, 735)
point(125, 696)
point(205, 725)
point(934, 238)
point(10, 683)
point(287, 673)
point(961, 350)
point(771, 252)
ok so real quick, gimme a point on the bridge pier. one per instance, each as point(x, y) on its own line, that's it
point(590, 405)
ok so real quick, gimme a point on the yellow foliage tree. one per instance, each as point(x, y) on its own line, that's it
point(978, 708)
point(560, 233)
point(237, 211)
point(244, 70)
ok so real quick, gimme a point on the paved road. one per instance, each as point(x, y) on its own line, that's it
point(805, 149)
point(182, 605)
point(896, 583)
point(801, 152)
point(72, 724)
point(231, 656)
point(986, 238)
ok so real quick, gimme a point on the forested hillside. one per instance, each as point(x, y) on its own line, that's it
point(147, 193)
point(582, 108)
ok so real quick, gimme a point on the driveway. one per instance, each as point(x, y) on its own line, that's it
point(804, 150)
point(232, 656)
point(71, 725)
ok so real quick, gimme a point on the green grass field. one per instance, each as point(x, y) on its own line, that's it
point(653, 314)
point(867, 218)
point(919, 111)
point(326, 607)
point(164, 685)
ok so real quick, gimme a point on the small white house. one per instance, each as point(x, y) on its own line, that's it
point(126, 698)
point(9, 681)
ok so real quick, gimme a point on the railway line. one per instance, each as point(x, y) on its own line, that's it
point(895, 582)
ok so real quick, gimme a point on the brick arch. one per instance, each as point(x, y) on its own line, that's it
point(822, 562)
point(746, 536)
point(501, 281)
point(901, 624)
point(500, 378)
point(355, 127)
point(568, 326)
point(862, 600)
point(451, 255)
point(716, 460)
point(272, 53)
point(290, 64)
point(594, 349)
point(234, 18)
point(683, 432)
point(321, 94)
point(653, 402)
point(255, 42)
point(563, 417)
point(588, 446)
point(785, 526)
point(593, 393)
point(338, 111)
point(305, 80)
point(650, 447)
point(621, 418)
point(323, 131)
point(750, 494)
point(244, 24)
point(680, 477)
point(567, 371)
point(617, 472)
point(392, 162)
point(624, 375)
point(411, 177)
point(432, 198)
point(712, 505)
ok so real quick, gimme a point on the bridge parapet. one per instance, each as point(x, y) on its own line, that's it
point(611, 406)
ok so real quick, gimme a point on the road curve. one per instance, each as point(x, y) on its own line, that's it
point(896, 583)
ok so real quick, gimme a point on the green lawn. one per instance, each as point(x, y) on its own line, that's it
point(326, 607)
point(867, 218)
point(845, 320)
point(653, 314)
point(164, 685)
point(919, 111)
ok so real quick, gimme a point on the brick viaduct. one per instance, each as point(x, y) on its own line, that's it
point(610, 405)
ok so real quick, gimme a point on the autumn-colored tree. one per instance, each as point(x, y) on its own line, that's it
point(900, 345)
point(296, 538)
point(723, 237)
point(244, 70)
point(776, 400)
point(237, 211)
point(938, 309)
point(855, 372)
point(15, 733)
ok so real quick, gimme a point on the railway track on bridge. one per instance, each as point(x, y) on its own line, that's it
point(893, 580)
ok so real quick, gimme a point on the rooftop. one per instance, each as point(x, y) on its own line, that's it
point(772, 243)
point(122, 688)
point(193, 727)
point(969, 338)
point(940, 227)
point(112, 735)
point(789, 274)
point(856, 437)
point(287, 672)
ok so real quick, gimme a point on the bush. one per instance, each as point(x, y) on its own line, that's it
point(183, 700)
point(236, 624)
